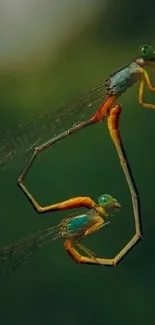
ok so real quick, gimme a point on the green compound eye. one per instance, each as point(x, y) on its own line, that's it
point(107, 202)
point(105, 199)
point(146, 52)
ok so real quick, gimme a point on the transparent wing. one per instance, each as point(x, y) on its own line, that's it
point(14, 255)
point(23, 138)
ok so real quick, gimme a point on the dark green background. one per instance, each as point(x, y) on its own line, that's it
point(50, 288)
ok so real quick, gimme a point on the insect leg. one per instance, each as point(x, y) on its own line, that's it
point(116, 137)
point(145, 78)
point(113, 120)
point(76, 256)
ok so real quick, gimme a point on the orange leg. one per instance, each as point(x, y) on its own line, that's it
point(76, 256)
point(103, 109)
point(113, 127)
point(113, 120)
point(98, 225)
point(74, 202)
point(115, 135)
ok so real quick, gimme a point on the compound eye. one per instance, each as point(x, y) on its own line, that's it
point(102, 199)
point(142, 49)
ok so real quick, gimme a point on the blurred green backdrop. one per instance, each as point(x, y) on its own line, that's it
point(50, 288)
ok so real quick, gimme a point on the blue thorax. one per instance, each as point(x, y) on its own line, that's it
point(122, 79)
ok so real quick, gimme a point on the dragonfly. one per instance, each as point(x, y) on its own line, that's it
point(93, 219)
point(79, 225)
point(34, 135)
point(72, 229)
point(116, 84)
